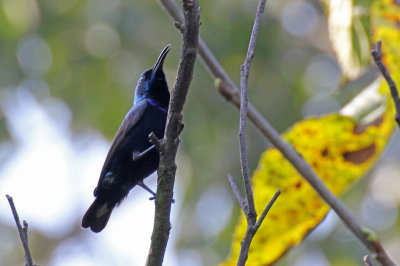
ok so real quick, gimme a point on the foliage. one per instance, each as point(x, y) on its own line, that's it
point(339, 150)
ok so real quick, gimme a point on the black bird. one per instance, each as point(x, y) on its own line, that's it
point(120, 171)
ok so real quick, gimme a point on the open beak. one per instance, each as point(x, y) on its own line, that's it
point(160, 61)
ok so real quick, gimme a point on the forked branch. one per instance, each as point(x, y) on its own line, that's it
point(23, 232)
point(249, 207)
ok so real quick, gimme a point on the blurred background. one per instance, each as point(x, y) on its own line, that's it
point(67, 73)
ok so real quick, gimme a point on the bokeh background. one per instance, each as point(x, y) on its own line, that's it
point(67, 73)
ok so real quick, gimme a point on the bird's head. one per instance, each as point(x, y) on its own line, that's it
point(152, 83)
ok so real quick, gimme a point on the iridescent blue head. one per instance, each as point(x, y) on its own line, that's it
point(152, 83)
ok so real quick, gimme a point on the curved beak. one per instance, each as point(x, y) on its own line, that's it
point(160, 61)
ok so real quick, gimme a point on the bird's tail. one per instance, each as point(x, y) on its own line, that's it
point(97, 215)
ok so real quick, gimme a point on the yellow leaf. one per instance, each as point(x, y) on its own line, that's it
point(385, 16)
point(339, 151)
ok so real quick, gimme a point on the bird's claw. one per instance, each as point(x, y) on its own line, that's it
point(153, 198)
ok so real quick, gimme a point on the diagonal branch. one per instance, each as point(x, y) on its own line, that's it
point(377, 55)
point(169, 145)
point(236, 192)
point(23, 232)
point(228, 89)
point(267, 208)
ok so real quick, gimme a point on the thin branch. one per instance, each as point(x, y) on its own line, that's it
point(267, 208)
point(168, 149)
point(377, 55)
point(251, 213)
point(252, 230)
point(236, 192)
point(155, 141)
point(23, 232)
point(228, 89)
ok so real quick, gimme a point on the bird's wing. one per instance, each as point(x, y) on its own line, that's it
point(130, 121)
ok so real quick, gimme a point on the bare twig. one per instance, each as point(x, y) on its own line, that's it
point(228, 89)
point(23, 232)
point(377, 55)
point(236, 192)
point(169, 147)
point(155, 141)
point(252, 230)
point(266, 210)
point(250, 211)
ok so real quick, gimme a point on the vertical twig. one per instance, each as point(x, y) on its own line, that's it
point(23, 232)
point(249, 207)
point(377, 55)
point(169, 145)
point(244, 77)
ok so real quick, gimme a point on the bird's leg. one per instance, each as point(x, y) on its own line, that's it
point(137, 156)
point(140, 183)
